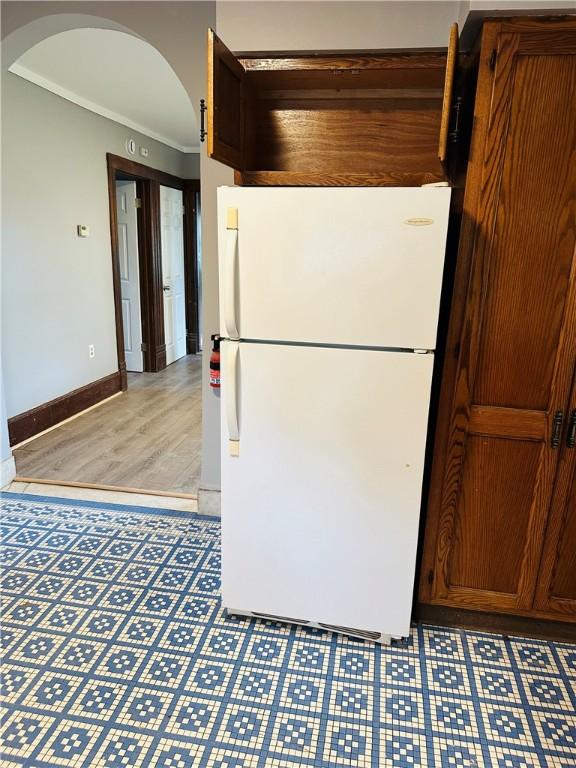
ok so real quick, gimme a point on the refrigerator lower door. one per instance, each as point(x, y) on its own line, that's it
point(291, 259)
point(321, 482)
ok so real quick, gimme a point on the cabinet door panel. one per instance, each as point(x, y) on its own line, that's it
point(508, 468)
point(556, 593)
point(563, 586)
point(517, 343)
point(226, 104)
point(533, 240)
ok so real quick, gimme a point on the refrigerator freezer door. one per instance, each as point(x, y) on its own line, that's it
point(320, 506)
point(339, 266)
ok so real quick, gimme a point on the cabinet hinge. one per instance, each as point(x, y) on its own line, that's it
point(430, 576)
point(137, 202)
point(492, 62)
point(454, 133)
point(203, 131)
point(143, 347)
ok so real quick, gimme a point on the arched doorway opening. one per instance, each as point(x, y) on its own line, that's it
point(118, 116)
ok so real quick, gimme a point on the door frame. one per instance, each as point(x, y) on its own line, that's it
point(148, 181)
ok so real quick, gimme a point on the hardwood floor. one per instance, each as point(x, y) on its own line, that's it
point(148, 437)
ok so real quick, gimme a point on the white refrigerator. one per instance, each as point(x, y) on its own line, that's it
point(329, 303)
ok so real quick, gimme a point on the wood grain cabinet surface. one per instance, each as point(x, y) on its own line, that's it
point(501, 524)
point(372, 118)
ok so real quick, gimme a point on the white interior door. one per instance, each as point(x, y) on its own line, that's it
point(129, 274)
point(320, 508)
point(172, 242)
point(358, 266)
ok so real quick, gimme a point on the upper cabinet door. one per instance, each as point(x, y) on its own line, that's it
point(448, 90)
point(226, 104)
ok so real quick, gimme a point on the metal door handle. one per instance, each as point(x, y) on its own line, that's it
point(229, 275)
point(556, 429)
point(571, 433)
point(231, 384)
point(166, 288)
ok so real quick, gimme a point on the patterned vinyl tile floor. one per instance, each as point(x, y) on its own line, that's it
point(116, 654)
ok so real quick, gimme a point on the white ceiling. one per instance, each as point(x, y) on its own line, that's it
point(118, 76)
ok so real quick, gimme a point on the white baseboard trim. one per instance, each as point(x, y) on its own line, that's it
point(7, 471)
point(208, 502)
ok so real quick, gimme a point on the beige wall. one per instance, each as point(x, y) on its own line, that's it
point(250, 26)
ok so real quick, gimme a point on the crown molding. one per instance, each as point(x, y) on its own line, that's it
point(91, 106)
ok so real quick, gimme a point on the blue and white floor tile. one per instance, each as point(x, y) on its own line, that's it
point(116, 654)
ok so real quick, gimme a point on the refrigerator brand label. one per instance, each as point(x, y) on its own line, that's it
point(419, 222)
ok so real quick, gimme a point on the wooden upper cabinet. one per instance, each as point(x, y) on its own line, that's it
point(226, 104)
point(511, 350)
point(359, 118)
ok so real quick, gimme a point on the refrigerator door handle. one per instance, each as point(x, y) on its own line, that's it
point(230, 264)
point(232, 397)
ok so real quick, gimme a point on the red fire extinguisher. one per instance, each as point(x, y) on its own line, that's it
point(215, 362)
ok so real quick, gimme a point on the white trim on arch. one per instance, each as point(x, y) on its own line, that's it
point(49, 85)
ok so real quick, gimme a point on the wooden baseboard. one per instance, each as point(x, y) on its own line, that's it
point(503, 624)
point(44, 416)
point(158, 358)
point(122, 371)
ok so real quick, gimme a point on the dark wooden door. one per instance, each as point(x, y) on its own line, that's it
point(495, 468)
point(556, 592)
point(226, 104)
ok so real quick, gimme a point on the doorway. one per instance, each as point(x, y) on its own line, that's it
point(149, 439)
point(156, 269)
point(173, 284)
point(126, 207)
point(101, 324)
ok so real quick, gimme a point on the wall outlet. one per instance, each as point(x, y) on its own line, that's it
point(91, 351)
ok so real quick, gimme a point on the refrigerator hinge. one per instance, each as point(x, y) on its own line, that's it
point(421, 351)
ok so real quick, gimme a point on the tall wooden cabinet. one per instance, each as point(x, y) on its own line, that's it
point(501, 524)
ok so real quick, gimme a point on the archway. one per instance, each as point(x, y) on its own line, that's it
point(42, 32)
